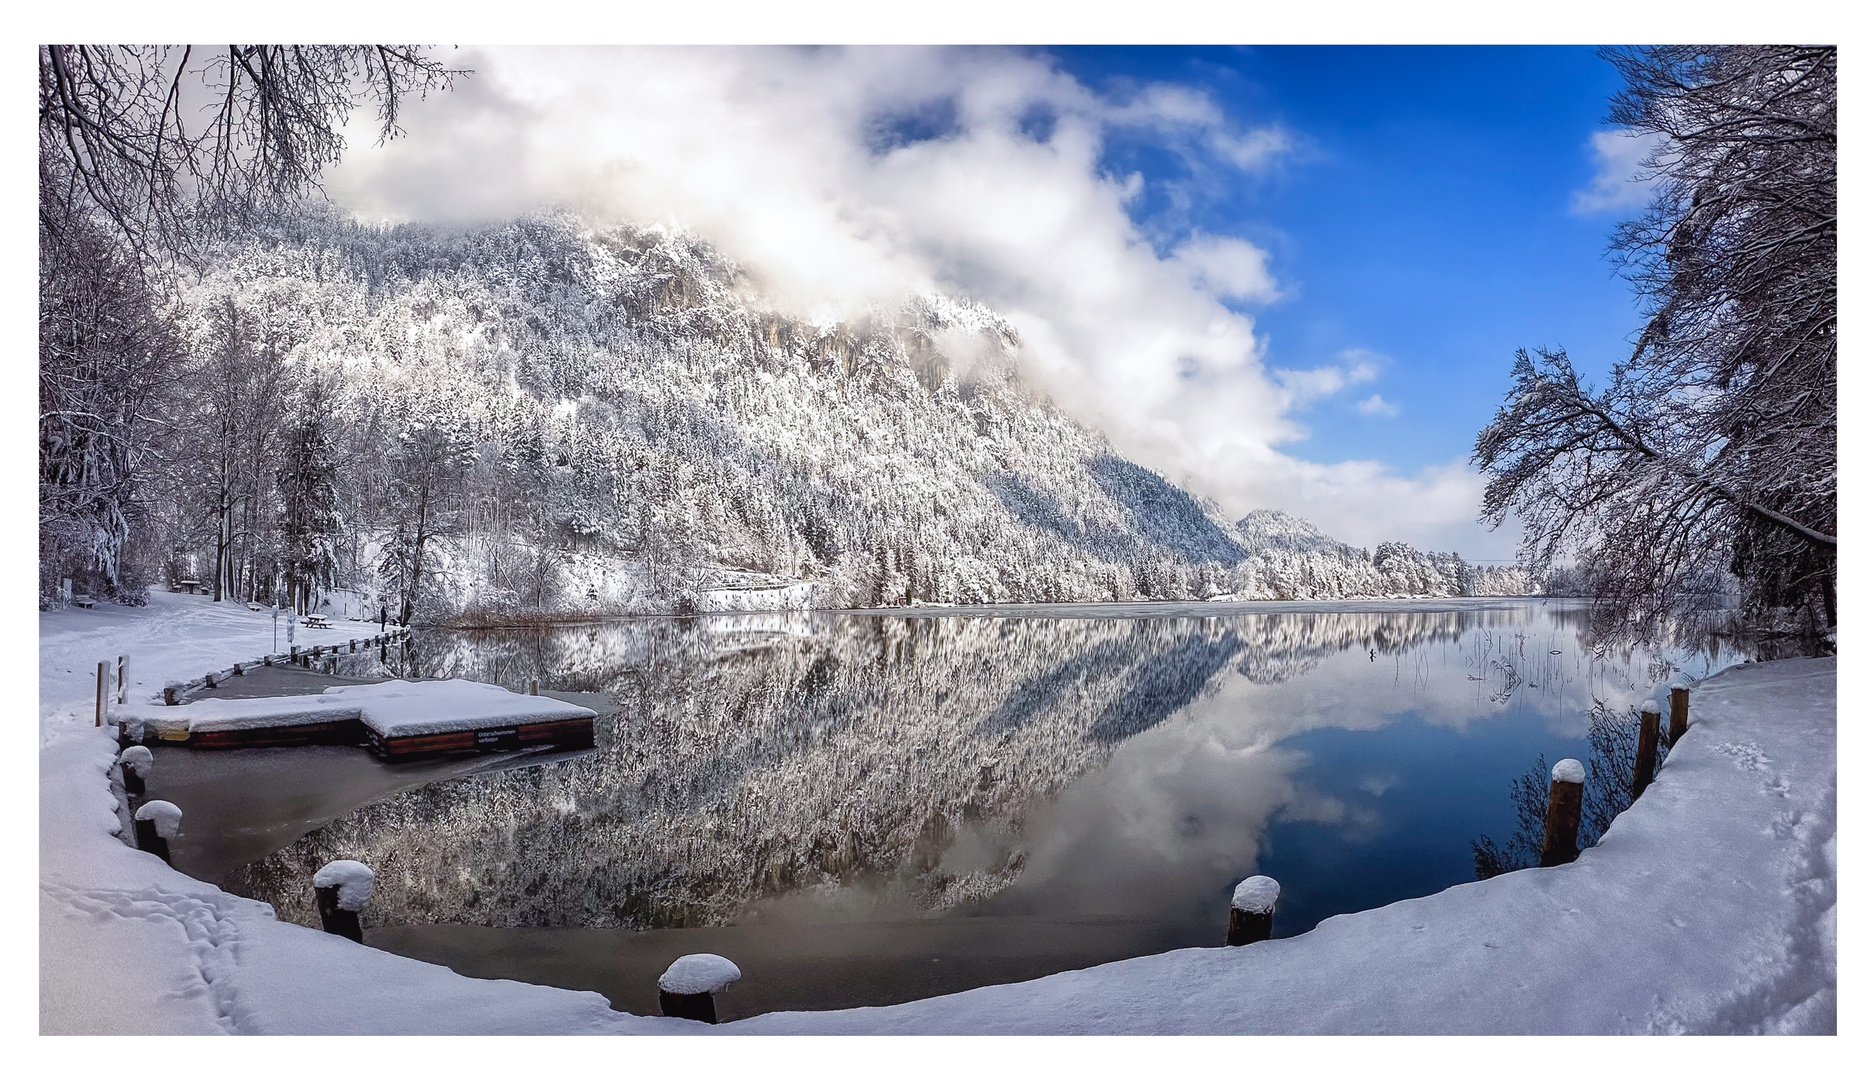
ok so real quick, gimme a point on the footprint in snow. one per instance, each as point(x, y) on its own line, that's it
point(1747, 756)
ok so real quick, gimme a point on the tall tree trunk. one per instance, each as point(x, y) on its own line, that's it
point(416, 553)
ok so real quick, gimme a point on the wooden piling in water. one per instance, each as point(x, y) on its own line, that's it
point(1646, 763)
point(208, 680)
point(1251, 910)
point(135, 763)
point(156, 823)
point(1680, 713)
point(343, 888)
point(1565, 793)
point(687, 990)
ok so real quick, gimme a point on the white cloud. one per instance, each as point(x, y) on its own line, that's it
point(859, 175)
point(1620, 182)
point(1376, 405)
point(1228, 268)
point(1304, 387)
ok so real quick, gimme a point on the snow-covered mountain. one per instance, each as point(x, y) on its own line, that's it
point(615, 420)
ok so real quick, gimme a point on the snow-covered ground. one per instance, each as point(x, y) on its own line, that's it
point(1708, 907)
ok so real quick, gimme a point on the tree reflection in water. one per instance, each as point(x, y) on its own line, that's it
point(920, 762)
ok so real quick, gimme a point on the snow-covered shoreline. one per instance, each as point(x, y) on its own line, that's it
point(1707, 907)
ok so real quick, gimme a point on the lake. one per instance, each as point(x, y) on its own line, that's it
point(863, 808)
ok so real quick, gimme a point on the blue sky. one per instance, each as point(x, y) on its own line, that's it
point(1425, 216)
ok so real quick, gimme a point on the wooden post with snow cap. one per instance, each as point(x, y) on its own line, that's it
point(1564, 796)
point(123, 663)
point(101, 665)
point(1680, 708)
point(687, 990)
point(169, 695)
point(157, 823)
point(136, 763)
point(1251, 910)
point(343, 888)
point(533, 687)
point(1646, 762)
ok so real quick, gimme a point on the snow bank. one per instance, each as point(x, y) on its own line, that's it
point(166, 815)
point(352, 879)
point(698, 973)
point(1256, 895)
point(1569, 771)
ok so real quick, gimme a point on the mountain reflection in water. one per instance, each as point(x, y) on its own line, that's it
point(853, 768)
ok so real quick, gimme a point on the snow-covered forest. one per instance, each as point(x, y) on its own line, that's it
point(542, 417)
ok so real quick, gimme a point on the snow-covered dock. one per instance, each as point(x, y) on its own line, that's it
point(398, 719)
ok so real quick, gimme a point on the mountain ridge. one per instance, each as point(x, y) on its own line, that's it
point(617, 422)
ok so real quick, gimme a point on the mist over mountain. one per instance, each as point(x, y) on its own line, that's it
point(542, 416)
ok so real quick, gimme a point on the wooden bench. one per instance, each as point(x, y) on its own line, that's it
point(84, 601)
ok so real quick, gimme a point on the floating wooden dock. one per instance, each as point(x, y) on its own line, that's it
point(396, 719)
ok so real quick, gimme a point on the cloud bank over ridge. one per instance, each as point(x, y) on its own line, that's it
point(840, 177)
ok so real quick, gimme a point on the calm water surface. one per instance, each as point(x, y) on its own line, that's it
point(868, 808)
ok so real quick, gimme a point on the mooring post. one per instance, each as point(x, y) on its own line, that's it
point(1251, 910)
point(343, 888)
point(169, 695)
point(293, 650)
point(136, 763)
point(1680, 708)
point(1564, 795)
point(123, 663)
point(1646, 764)
point(157, 823)
point(101, 665)
point(687, 990)
point(533, 687)
point(237, 670)
point(208, 680)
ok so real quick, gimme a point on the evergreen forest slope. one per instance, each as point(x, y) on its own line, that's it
point(543, 417)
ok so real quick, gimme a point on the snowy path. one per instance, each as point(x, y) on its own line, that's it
point(1708, 907)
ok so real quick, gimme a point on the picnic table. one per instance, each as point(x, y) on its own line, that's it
point(188, 586)
point(318, 622)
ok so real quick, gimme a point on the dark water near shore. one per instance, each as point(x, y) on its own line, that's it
point(864, 808)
